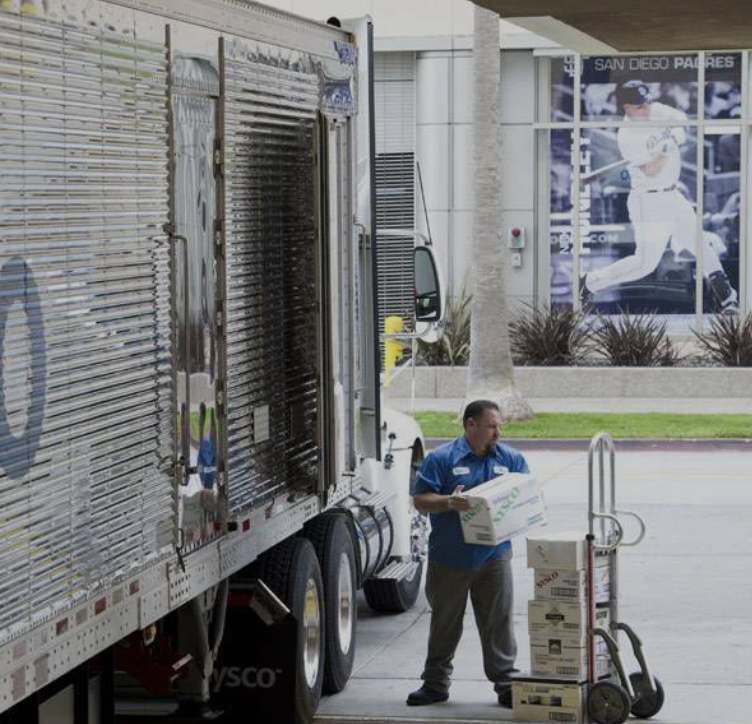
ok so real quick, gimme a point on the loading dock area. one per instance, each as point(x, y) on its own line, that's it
point(687, 585)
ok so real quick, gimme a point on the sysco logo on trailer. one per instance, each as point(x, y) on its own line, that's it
point(247, 677)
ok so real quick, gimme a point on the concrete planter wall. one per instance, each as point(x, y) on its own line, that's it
point(645, 382)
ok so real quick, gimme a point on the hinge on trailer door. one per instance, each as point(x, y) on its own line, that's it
point(179, 549)
point(218, 158)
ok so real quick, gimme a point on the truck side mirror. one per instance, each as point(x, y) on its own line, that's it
point(429, 301)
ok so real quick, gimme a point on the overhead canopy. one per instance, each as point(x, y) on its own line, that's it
point(633, 25)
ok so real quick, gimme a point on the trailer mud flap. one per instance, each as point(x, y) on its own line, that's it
point(256, 667)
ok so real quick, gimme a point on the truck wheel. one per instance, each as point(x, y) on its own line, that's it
point(386, 595)
point(334, 547)
point(292, 571)
point(646, 703)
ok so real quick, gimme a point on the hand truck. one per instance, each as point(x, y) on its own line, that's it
point(612, 699)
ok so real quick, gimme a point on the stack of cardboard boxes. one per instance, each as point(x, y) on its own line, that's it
point(558, 624)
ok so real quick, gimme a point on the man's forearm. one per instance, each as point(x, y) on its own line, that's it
point(431, 503)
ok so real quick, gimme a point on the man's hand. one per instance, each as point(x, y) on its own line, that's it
point(436, 503)
point(457, 501)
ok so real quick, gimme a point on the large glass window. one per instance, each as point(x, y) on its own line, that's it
point(644, 169)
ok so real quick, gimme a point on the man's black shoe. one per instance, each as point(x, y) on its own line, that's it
point(423, 696)
point(505, 697)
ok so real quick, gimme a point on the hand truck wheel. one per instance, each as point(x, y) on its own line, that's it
point(647, 703)
point(608, 703)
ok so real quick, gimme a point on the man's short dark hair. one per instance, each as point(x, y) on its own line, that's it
point(476, 409)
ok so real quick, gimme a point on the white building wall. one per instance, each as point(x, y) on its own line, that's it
point(518, 167)
point(450, 21)
point(444, 135)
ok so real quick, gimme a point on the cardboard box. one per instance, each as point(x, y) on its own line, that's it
point(548, 700)
point(502, 508)
point(566, 620)
point(561, 551)
point(559, 656)
point(563, 585)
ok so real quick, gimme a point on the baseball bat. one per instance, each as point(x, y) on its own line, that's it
point(602, 171)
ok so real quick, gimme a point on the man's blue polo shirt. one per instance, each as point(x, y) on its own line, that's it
point(442, 471)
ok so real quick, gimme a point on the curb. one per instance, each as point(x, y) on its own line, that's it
point(690, 444)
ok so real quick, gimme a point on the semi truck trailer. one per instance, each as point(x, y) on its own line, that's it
point(196, 472)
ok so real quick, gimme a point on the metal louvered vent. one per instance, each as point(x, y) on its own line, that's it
point(394, 87)
point(271, 105)
point(395, 209)
point(86, 491)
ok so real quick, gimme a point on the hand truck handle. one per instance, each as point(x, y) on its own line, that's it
point(618, 529)
point(643, 527)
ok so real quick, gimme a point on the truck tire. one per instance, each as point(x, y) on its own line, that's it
point(386, 595)
point(333, 542)
point(292, 571)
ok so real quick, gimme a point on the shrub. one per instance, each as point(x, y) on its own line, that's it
point(453, 348)
point(548, 335)
point(728, 341)
point(638, 340)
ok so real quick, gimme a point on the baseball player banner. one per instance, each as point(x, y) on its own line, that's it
point(562, 74)
point(637, 222)
point(561, 198)
point(671, 79)
point(721, 213)
point(637, 200)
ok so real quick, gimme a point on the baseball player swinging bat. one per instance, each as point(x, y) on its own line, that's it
point(588, 178)
point(660, 214)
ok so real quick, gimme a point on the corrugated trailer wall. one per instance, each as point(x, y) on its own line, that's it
point(86, 491)
point(271, 98)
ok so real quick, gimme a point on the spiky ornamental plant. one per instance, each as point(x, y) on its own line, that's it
point(639, 340)
point(728, 341)
point(548, 336)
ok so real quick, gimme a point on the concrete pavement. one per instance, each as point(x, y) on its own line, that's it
point(685, 589)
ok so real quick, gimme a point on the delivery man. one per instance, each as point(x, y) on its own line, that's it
point(456, 568)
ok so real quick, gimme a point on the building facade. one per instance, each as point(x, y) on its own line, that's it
point(579, 179)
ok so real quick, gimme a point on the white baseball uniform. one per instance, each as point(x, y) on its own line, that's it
point(657, 209)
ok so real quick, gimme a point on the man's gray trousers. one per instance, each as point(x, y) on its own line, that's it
point(490, 590)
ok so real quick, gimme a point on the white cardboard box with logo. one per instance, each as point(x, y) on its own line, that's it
point(559, 551)
point(502, 508)
point(568, 620)
point(560, 656)
point(563, 585)
point(548, 700)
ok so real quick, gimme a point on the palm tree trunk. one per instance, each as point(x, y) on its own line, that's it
point(490, 373)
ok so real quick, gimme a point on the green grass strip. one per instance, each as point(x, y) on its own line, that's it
point(553, 425)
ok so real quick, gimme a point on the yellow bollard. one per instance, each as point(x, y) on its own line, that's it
point(392, 347)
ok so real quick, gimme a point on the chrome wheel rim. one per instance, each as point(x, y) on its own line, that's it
point(345, 604)
point(311, 633)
